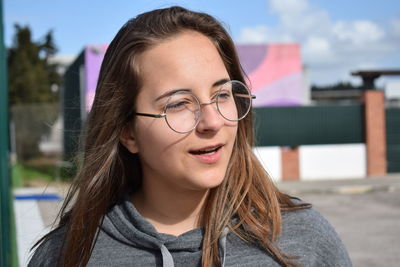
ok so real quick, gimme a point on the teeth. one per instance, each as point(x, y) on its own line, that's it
point(206, 152)
point(209, 152)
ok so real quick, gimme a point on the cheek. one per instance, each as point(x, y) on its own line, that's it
point(155, 138)
point(152, 151)
point(233, 130)
point(233, 135)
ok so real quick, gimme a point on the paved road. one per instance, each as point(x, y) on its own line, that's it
point(368, 223)
point(364, 212)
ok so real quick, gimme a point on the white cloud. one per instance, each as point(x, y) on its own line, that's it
point(317, 45)
point(299, 17)
point(288, 6)
point(360, 32)
point(317, 50)
point(396, 27)
point(331, 49)
point(264, 34)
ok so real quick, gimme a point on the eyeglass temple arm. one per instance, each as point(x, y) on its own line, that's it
point(247, 96)
point(150, 115)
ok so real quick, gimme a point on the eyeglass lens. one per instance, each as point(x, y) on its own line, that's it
point(183, 109)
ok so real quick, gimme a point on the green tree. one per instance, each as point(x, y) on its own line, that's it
point(337, 86)
point(32, 98)
point(31, 76)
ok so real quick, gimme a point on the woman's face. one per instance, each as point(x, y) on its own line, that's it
point(196, 160)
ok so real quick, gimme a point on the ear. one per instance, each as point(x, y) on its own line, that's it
point(128, 140)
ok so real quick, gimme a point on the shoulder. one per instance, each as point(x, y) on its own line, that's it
point(307, 222)
point(47, 253)
point(308, 235)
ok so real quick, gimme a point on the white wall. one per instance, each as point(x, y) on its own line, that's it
point(392, 89)
point(270, 158)
point(319, 162)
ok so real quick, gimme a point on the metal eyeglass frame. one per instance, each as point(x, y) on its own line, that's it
point(164, 114)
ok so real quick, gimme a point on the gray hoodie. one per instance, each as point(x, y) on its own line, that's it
point(127, 239)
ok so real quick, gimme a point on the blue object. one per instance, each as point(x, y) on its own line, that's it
point(38, 197)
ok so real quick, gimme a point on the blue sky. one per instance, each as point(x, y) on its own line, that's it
point(336, 37)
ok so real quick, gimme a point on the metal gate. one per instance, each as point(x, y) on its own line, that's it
point(393, 139)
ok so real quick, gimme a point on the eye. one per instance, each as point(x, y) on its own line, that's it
point(180, 104)
point(224, 95)
point(176, 105)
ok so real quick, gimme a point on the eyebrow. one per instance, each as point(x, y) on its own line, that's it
point(171, 92)
point(220, 82)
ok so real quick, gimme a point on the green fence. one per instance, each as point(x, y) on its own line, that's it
point(72, 107)
point(339, 124)
point(306, 125)
point(393, 139)
point(5, 197)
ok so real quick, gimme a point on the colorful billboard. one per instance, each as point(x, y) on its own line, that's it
point(274, 71)
point(94, 55)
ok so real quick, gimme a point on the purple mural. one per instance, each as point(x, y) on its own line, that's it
point(94, 55)
point(274, 71)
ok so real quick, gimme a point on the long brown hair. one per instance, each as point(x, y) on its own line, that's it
point(109, 171)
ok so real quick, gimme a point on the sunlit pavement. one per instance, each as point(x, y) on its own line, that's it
point(368, 224)
point(364, 212)
point(34, 209)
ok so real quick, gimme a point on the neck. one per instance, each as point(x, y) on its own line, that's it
point(170, 211)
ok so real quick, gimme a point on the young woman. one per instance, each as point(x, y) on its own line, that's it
point(168, 175)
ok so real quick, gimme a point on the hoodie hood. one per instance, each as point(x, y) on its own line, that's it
point(125, 224)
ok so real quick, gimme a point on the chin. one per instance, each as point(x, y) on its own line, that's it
point(211, 181)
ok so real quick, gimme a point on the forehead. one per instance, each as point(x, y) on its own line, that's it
point(186, 59)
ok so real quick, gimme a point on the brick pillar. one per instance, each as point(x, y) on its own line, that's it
point(290, 163)
point(375, 127)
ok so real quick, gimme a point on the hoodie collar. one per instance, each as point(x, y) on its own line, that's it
point(124, 223)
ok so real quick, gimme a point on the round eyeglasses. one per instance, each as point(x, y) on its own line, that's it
point(182, 111)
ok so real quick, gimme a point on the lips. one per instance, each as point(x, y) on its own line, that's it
point(206, 150)
point(208, 155)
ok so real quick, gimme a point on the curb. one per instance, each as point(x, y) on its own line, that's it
point(345, 187)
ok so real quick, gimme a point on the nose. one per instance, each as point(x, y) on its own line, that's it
point(210, 119)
